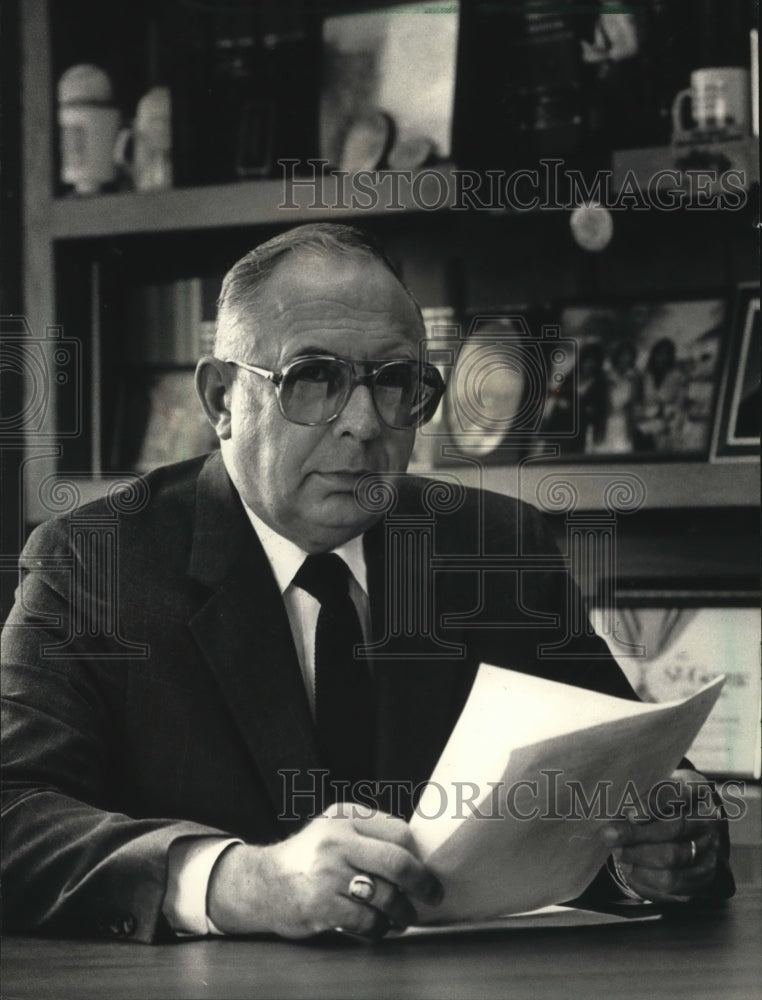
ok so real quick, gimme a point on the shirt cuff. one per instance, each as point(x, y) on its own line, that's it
point(616, 873)
point(191, 860)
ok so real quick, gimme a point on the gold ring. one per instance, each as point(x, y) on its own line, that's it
point(362, 887)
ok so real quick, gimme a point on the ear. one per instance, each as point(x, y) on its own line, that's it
point(213, 384)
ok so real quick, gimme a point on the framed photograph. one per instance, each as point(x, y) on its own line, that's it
point(485, 357)
point(159, 420)
point(669, 645)
point(738, 425)
point(638, 380)
point(627, 380)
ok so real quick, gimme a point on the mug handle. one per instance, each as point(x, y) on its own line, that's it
point(678, 130)
point(121, 155)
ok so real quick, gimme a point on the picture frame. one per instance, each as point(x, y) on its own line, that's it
point(668, 643)
point(644, 383)
point(159, 419)
point(481, 355)
point(737, 428)
point(581, 381)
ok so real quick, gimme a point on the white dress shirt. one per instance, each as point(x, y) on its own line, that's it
point(191, 860)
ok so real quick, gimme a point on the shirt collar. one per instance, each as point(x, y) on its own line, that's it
point(286, 558)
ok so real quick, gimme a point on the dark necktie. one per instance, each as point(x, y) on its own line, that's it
point(344, 709)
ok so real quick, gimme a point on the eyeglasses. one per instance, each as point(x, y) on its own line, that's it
point(314, 390)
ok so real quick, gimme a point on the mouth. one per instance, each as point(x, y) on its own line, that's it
point(342, 480)
point(347, 475)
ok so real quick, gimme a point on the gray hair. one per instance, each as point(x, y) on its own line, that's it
point(242, 285)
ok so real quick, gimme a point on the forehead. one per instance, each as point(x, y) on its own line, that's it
point(345, 304)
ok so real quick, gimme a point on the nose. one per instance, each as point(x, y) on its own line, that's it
point(359, 418)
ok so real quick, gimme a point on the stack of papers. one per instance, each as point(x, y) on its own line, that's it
point(543, 919)
point(511, 818)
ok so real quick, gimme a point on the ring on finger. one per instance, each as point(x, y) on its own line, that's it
point(362, 887)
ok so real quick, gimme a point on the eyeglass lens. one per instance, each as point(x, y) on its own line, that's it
point(313, 391)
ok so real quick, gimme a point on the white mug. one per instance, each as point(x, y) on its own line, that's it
point(149, 162)
point(88, 135)
point(720, 100)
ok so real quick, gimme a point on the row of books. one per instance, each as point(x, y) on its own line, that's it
point(171, 322)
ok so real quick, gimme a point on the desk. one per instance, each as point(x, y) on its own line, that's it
point(705, 956)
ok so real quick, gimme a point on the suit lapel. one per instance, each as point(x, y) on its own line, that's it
point(245, 636)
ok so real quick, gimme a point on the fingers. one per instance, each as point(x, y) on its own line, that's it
point(673, 854)
point(628, 832)
point(669, 884)
point(385, 847)
point(390, 903)
point(382, 826)
point(351, 917)
point(376, 824)
point(667, 860)
point(315, 867)
point(397, 866)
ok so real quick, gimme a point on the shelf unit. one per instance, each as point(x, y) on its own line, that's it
point(57, 228)
point(224, 206)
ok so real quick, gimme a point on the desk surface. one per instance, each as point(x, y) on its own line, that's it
point(708, 955)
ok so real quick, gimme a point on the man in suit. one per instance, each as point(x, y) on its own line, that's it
point(172, 760)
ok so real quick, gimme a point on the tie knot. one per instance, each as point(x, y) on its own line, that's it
point(325, 576)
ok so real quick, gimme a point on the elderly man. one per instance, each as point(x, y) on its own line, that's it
point(182, 771)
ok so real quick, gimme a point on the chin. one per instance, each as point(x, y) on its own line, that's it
point(339, 520)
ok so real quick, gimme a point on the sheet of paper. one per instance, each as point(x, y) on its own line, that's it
point(511, 818)
point(542, 919)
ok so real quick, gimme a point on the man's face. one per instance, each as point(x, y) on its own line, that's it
point(300, 480)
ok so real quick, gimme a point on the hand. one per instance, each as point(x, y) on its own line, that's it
point(300, 887)
point(676, 855)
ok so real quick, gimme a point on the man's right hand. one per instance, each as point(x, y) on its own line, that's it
point(300, 887)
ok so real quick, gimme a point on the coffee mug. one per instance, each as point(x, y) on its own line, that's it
point(88, 135)
point(720, 101)
point(144, 150)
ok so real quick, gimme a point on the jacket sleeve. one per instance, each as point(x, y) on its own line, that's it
point(72, 863)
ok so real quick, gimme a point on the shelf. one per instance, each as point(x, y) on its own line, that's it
point(250, 203)
point(666, 484)
point(339, 195)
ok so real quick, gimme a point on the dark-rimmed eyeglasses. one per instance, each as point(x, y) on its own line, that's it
point(314, 390)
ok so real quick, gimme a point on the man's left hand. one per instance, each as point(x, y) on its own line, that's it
point(674, 854)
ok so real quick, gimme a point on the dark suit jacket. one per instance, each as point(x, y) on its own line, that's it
point(173, 716)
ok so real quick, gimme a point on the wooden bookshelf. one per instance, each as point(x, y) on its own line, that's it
point(246, 203)
point(58, 229)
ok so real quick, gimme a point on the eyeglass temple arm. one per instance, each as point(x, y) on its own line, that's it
point(275, 377)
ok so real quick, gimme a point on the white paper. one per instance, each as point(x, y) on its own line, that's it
point(542, 919)
point(527, 747)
